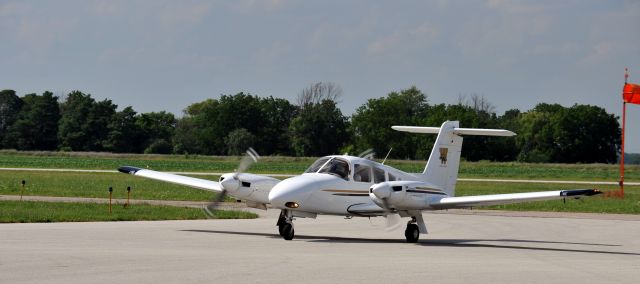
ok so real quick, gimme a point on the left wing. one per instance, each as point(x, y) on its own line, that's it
point(497, 199)
point(177, 179)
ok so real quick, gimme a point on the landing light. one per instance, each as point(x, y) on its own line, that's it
point(292, 204)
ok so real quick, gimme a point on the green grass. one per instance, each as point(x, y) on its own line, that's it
point(39, 212)
point(294, 165)
point(106, 161)
point(96, 185)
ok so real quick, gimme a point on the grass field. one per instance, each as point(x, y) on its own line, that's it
point(97, 184)
point(29, 212)
point(293, 165)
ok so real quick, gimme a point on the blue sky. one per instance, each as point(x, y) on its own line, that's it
point(165, 55)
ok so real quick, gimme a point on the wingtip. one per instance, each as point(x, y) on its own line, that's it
point(580, 192)
point(128, 170)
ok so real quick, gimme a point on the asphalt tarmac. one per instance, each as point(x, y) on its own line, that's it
point(460, 248)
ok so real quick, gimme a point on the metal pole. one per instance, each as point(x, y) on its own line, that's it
point(624, 118)
point(128, 196)
point(110, 194)
point(22, 189)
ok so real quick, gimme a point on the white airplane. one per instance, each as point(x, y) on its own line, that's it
point(357, 187)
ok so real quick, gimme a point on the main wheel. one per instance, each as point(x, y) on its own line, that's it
point(281, 229)
point(412, 233)
point(287, 231)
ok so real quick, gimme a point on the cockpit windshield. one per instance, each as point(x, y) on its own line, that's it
point(316, 165)
point(334, 166)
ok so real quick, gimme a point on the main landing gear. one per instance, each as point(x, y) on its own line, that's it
point(285, 225)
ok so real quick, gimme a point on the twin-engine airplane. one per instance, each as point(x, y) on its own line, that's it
point(358, 187)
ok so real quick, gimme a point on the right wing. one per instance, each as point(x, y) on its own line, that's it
point(172, 178)
point(497, 199)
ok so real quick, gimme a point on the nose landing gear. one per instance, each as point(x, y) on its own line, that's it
point(285, 225)
point(414, 227)
point(412, 233)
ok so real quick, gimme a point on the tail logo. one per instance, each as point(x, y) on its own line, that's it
point(443, 156)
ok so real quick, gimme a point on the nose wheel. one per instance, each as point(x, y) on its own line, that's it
point(412, 233)
point(285, 225)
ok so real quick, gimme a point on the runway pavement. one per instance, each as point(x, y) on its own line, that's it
point(459, 248)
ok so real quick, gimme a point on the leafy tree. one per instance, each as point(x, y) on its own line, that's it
point(318, 130)
point(581, 133)
point(184, 139)
point(125, 136)
point(275, 138)
point(36, 124)
point(196, 132)
point(238, 141)
point(156, 127)
point(586, 134)
point(212, 120)
point(75, 112)
point(371, 123)
point(10, 105)
point(84, 125)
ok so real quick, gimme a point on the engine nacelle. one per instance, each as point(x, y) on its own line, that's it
point(404, 195)
point(249, 187)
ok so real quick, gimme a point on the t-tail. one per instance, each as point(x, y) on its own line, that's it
point(443, 164)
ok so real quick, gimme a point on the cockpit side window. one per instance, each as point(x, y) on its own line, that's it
point(362, 173)
point(378, 175)
point(336, 167)
point(317, 164)
point(391, 177)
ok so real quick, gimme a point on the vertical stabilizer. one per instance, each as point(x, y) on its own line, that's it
point(444, 161)
point(442, 168)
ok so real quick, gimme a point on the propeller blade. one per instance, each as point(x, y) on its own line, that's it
point(367, 154)
point(249, 159)
point(232, 182)
point(214, 204)
point(392, 222)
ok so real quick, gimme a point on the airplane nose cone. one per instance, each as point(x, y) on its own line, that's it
point(291, 193)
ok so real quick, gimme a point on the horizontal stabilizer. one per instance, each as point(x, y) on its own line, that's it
point(457, 130)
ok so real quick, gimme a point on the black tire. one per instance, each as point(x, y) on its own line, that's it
point(280, 229)
point(412, 233)
point(287, 232)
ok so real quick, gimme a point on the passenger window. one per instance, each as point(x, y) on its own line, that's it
point(392, 177)
point(378, 175)
point(362, 173)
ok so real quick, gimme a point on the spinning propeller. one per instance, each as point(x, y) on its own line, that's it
point(392, 219)
point(231, 182)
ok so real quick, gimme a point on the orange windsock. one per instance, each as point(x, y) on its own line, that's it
point(631, 93)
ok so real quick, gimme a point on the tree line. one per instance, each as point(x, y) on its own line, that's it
point(313, 126)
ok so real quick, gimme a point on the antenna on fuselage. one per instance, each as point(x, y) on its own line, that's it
point(387, 156)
